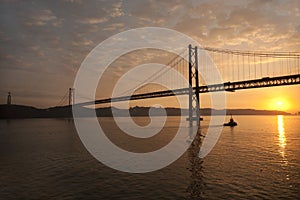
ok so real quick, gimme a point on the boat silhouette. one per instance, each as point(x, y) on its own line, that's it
point(230, 123)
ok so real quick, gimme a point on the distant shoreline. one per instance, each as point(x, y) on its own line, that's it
point(23, 112)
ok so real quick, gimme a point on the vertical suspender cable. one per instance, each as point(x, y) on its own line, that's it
point(238, 66)
point(249, 66)
point(254, 65)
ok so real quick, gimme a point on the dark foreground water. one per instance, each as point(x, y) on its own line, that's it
point(45, 159)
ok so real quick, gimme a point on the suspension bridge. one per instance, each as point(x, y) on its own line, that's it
point(239, 70)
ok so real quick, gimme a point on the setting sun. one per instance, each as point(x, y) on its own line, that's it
point(279, 104)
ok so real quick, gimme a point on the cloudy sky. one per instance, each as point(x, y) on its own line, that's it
point(43, 43)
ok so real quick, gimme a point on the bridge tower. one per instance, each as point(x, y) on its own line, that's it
point(194, 100)
point(9, 98)
point(71, 96)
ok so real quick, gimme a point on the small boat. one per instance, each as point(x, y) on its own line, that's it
point(231, 123)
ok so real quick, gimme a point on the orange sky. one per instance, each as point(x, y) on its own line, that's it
point(263, 99)
point(43, 43)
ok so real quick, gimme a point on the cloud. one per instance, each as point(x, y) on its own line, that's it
point(241, 24)
point(74, 1)
point(55, 36)
point(94, 20)
point(82, 42)
point(113, 27)
point(43, 17)
point(117, 10)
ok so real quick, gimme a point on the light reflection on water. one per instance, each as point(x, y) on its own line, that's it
point(281, 138)
point(258, 159)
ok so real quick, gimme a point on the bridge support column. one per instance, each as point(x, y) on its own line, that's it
point(194, 100)
point(71, 96)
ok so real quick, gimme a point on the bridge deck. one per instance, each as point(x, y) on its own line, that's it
point(228, 86)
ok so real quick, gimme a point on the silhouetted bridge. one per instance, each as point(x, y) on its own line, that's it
point(228, 86)
point(239, 70)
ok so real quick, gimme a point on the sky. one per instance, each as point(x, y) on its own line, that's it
point(43, 43)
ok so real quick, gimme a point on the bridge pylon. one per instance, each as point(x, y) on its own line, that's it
point(194, 100)
point(71, 96)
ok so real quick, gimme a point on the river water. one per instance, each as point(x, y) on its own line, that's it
point(45, 159)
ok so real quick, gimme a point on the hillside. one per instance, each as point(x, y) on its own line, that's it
point(21, 111)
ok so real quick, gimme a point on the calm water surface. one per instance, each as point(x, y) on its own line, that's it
point(258, 159)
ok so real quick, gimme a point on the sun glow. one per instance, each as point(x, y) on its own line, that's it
point(279, 104)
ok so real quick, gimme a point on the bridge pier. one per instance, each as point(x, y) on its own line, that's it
point(194, 100)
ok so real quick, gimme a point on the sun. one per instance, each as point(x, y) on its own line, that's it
point(279, 104)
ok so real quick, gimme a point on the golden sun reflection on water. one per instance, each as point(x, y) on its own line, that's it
point(281, 137)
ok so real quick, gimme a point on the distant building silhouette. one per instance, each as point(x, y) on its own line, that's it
point(9, 98)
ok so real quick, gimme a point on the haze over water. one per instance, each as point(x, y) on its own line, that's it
point(258, 159)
